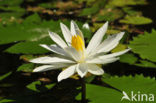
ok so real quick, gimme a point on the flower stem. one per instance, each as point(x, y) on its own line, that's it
point(83, 91)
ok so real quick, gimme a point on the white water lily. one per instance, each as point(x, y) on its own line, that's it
point(75, 57)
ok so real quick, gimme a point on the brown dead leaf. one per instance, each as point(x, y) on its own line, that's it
point(44, 79)
point(67, 5)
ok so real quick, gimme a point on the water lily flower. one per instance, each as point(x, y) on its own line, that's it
point(75, 57)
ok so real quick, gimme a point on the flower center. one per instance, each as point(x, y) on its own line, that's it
point(77, 43)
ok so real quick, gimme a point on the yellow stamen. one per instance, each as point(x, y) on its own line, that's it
point(77, 43)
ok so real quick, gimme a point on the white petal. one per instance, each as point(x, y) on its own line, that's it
point(75, 30)
point(110, 43)
point(72, 28)
point(57, 39)
point(73, 53)
point(49, 67)
point(54, 48)
point(94, 69)
point(114, 54)
point(97, 38)
point(102, 61)
point(67, 73)
point(82, 69)
point(86, 26)
point(66, 33)
point(43, 68)
point(51, 60)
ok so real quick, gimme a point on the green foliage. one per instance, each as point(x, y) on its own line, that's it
point(50, 86)
point(129, 83)
point(30, 47)
point(134, 60)
point(109, 15)
point(144, 63)
point(124, 83)
point(122, 3)
point(33, 85)
point(31, 32)
point(12, 10)
point(26, 67)
point(130, 11)
point(89, 79)
point(88, 2)
point(144, 45)
point(5, 75)
point(32, 19)
point(6, 101)
point(89, 11)
point(128, 58)
point(96, 94)
point(136, 20)
point(119, 47)
point(25, 24)
point(11, 2)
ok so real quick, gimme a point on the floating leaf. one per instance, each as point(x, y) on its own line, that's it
point(27, 57)
point(35, 18)
point(12, 9)
point(32, 86)
point(122, 3)
point(109, 15)
point(133, 60)
point(136, 20)
point(49, 86)
point(130, 11)
point(11, 2)
point(6, 101)
point(31, 34)
point(88, 2)
point(119, 47)
point(144, 63)
point(144, 45)
point(30, 47)
point(138, 83)
point(26, 67)
point(112, 31)
point(128, 58)
point(5, 75)
point(89, 11)
point(97, 94)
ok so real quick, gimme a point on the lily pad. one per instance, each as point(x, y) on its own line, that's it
point(26, 67)
point(136, 20)
point(101, 94)
point(137, 84)
point(144, 45)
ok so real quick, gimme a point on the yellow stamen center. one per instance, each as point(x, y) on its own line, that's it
point(77, 43)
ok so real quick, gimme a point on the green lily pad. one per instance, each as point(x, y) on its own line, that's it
point(137, 84)
point(32, 86)
point(136, 20)
point(144, 45)
point(26, 67)
point(98, 94)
